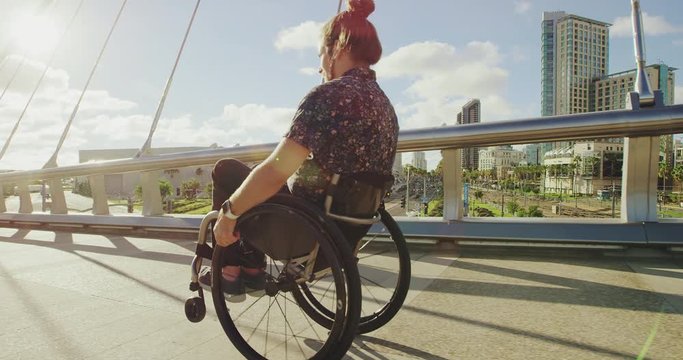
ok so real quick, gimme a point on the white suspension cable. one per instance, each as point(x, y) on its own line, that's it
point(47, 66)
point(3, 63)
point(148, 143)
point(14, 75)
point(52, 162)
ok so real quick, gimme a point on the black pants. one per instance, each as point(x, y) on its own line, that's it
point(228, 175)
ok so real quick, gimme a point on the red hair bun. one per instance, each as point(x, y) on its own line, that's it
point(361, 7)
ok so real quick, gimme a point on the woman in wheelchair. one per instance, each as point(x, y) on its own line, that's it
point(345, 126)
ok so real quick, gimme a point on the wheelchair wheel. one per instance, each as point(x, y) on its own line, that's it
point(384, 267)
point(270, 323)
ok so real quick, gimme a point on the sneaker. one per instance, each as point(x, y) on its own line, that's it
point(233, 289)
point(254, 282)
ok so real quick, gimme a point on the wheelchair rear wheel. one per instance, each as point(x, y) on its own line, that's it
point(384, 268)
point(270, 323)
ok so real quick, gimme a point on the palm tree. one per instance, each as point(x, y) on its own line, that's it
point(589, 170)
point(613, 158)
point(663, 172)
point(677, 175)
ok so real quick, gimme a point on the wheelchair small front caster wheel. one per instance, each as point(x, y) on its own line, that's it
point(195, 309)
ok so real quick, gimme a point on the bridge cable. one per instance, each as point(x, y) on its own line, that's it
point(47, 66)
point(52, 162)
point(14, 75)
point(146, 147)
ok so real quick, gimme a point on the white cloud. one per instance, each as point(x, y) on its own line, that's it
point(652, 26)
point(95, 126)
point(522, 6)
point(238, 124)
point(303, 36)
point(444, 78)
point(678, 95)
point(25, 73)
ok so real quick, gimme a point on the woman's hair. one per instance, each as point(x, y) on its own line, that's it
point(351, 30)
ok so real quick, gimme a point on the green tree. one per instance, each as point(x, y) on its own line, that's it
point(512, 207)
point(165, 189)
point(574, 167)
point(82, 188)
point(478, 194)
point(534, 211)
point(190, 188)
point(677, 175)
point(435, 208)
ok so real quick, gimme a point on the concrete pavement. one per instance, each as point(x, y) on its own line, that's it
point(79, 296)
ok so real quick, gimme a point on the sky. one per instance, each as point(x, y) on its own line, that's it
point(247, 64)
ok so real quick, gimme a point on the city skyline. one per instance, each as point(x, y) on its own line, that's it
point(241, 76)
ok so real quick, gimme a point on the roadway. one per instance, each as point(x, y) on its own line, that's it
point(79, 296)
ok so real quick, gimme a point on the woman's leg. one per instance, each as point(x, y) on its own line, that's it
point(227, 176)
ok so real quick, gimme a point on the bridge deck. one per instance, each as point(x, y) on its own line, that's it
point(78, 296)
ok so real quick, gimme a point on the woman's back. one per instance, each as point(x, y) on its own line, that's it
point(350, 127)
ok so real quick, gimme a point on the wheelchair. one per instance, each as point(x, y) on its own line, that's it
point(320, 288)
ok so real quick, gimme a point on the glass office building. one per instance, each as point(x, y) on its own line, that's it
point(574, 52)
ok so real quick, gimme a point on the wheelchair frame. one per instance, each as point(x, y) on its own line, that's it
point(341, 319)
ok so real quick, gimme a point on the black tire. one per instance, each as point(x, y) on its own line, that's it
point(195, 309)
point(376, 310)
point(248, 324)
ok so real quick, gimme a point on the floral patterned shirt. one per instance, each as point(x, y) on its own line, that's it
point(349, 125)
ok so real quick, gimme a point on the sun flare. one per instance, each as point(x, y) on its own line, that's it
point(34, 34)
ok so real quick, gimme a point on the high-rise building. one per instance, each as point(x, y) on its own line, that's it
point(419, 160)
point(471, 114)
point(533, 154)
point(611, 92)
point(548, 27)
point(581, 55)
point(574, 52)
point(397, 169)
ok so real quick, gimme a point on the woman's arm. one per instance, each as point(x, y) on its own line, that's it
point(262, 183)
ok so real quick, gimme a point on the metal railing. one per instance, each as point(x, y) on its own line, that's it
point(637, 125)
point(619, 123)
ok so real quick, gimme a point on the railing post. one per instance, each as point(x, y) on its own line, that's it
point(100, 206)
point(452, 185)
point(25, 203)
point(57, 199)
point(639, 179)
point(640, 168)
point(151, 196)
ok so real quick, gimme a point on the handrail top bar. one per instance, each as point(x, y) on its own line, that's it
point(617, 123)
